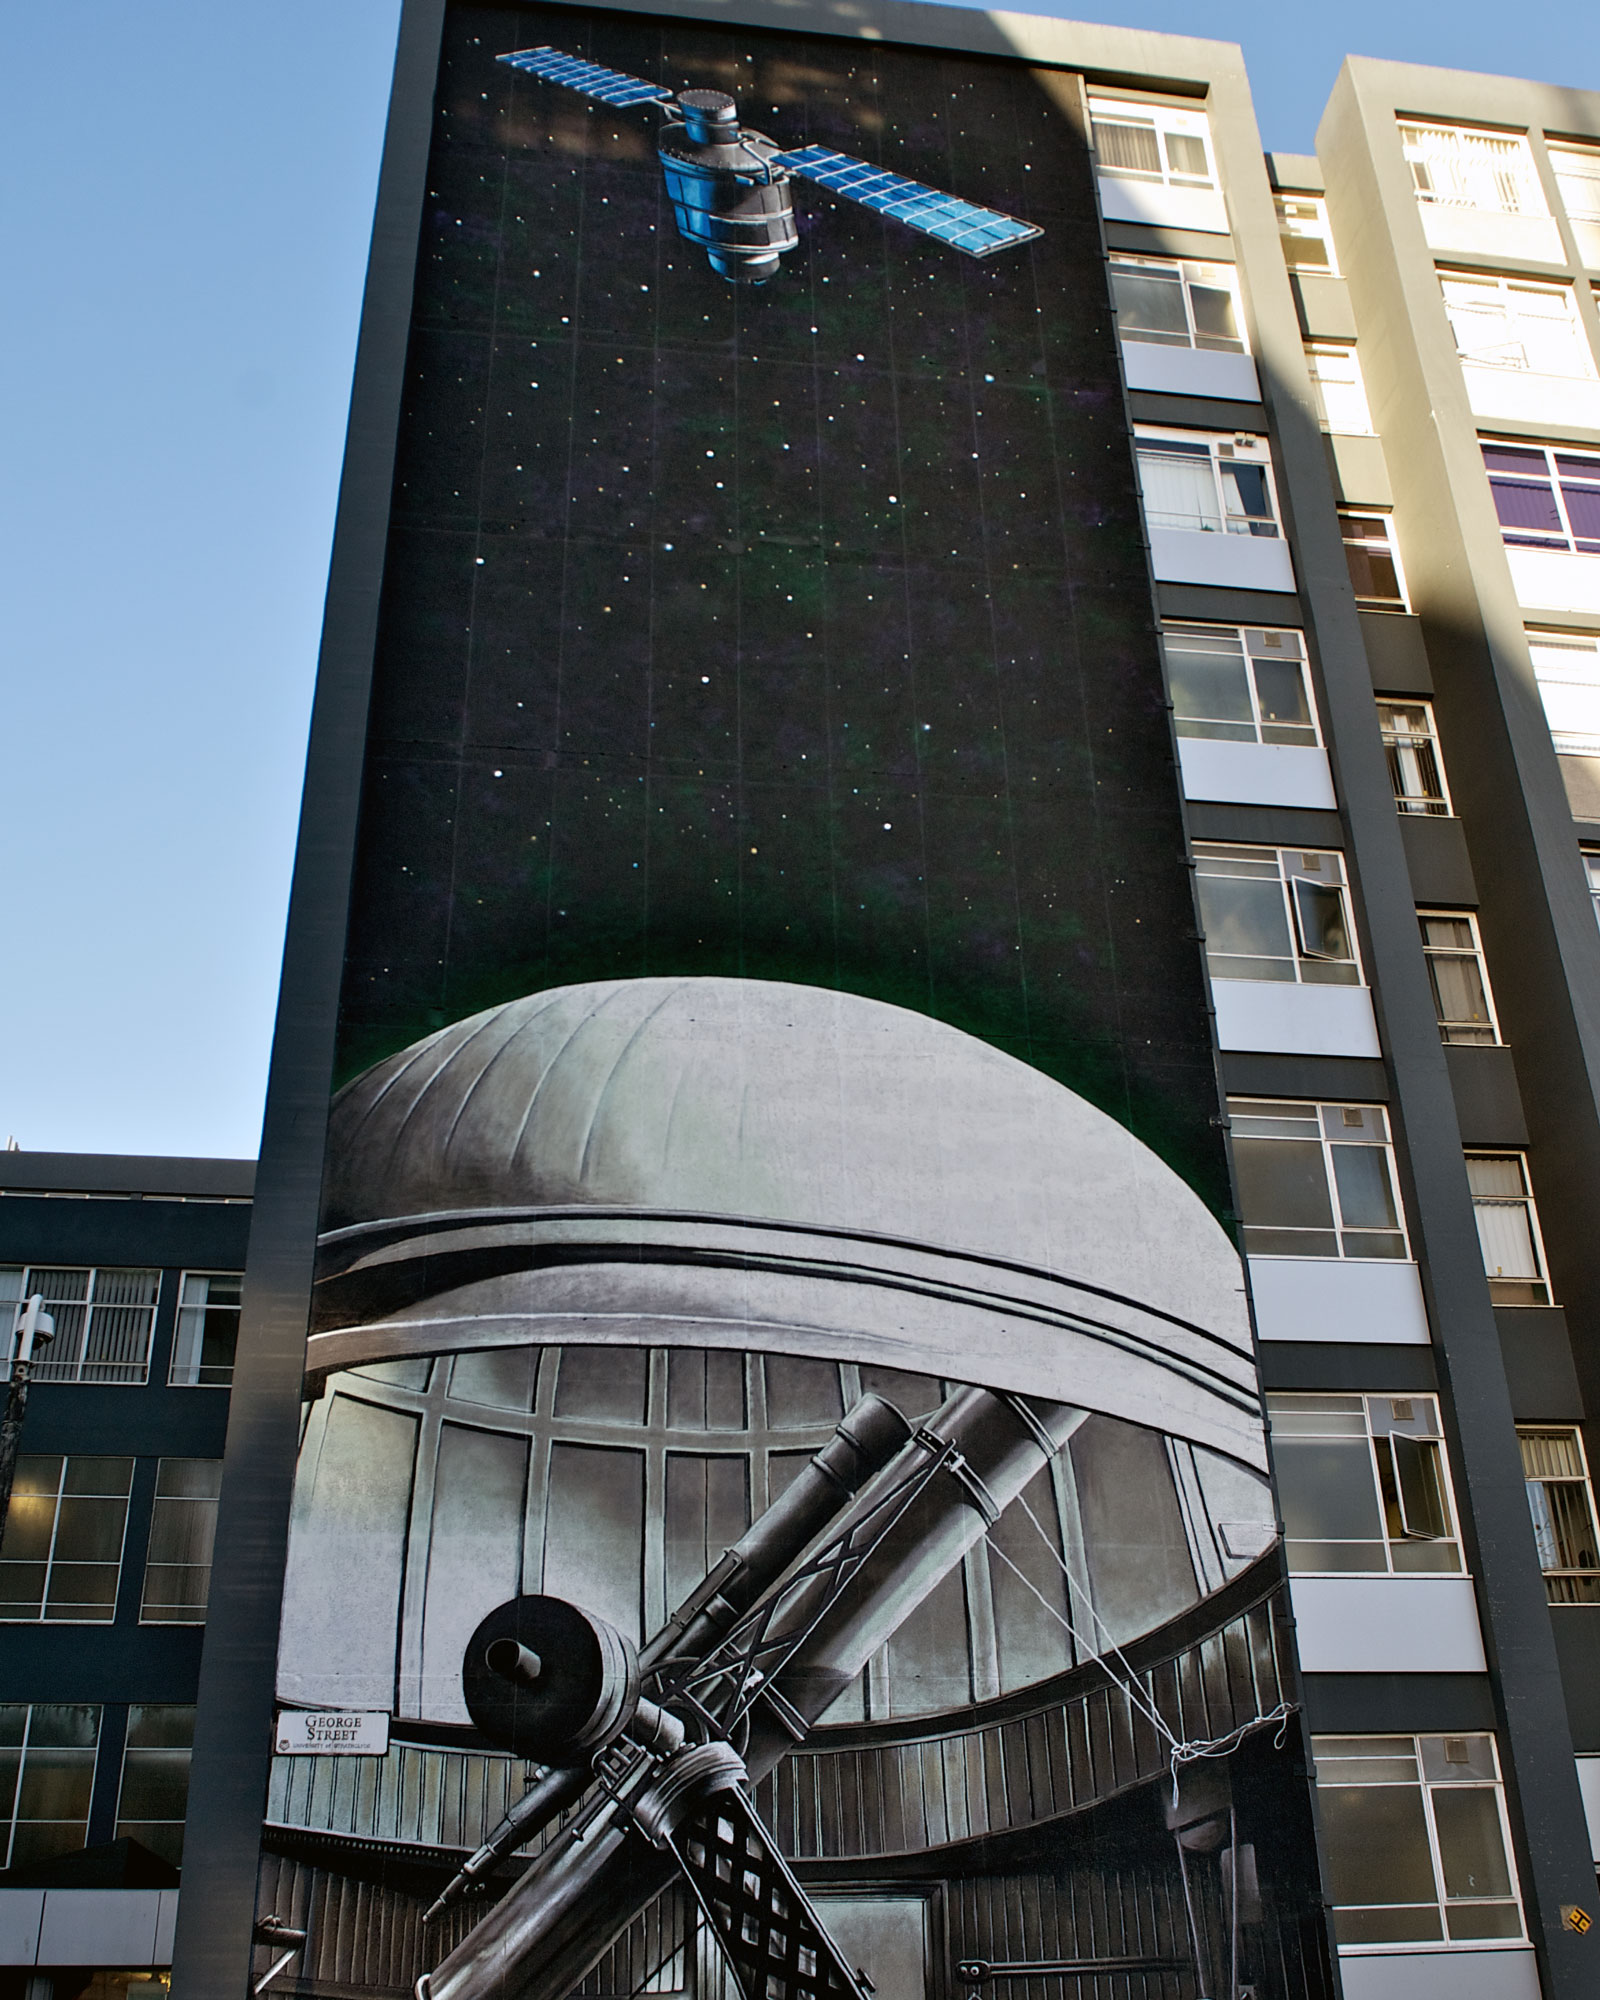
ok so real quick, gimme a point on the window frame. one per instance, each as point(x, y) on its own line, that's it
point(1165, 121)
point(51, 1560)
point(1420, 804)
point(1220, 448)
point(10, 1821)
point(1506, 286)
point(1529, 1205)
point(1315, 1111)
point(1205, 850)
point(1583, 1479)
point(1345, 350)
point(1383, 541)
point(1249, 654)
point(1475, 952)
point(1547, 673)
point(1388, 1494)
point(1590, 856)
point(132, 1750)
point(1185, 268)
point(1589, 174)
point(1564, 538)
point(1442, 1900)
point(159, 1501)
point(1282, 200)
point(195, 1379)
point(51, 1368)
point(1530, 197)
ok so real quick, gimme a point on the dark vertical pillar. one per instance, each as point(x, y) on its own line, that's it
point(233, 1733)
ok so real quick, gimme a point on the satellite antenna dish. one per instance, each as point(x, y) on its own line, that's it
point(729, 185)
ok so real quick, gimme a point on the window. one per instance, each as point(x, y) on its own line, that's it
point(1508, 1229)
point(208, 1329)
point(62, 1553)
point(1454, 952)
point(1151, 142)
point(1454, 167)
point(47, 1752)
point(1273, 913)
point(1591, 869)
point(1207, 486)
point(183, 1525)
point(104, 1320)
point(1341, 395)
point(1374, 564)
point(1567, 668)
point(1414, 1835)
point(1363, 1486)
point(1177, 305)
point(1517, 324)
point(1411, 743)
point(1546, 499)
point(1304, 233)
point(1315, 1180)
point(1577, 170)
point(155, 1778)
point(1562, 1504)
point(1239, 684)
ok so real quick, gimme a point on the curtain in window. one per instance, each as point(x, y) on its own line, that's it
point(1180, 488)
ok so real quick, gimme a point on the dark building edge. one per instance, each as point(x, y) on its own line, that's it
point(233, 1737)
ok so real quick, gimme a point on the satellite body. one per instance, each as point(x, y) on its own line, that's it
point(725, 195)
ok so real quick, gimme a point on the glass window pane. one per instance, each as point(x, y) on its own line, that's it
point(1283, 1184)
point(1328, 1491)
point(1281, 690)
point(1471, 1850)
point(1179, 488)
point(1210, 682)
point(1126, 148)
point(1186, 155)
point(1366, 1195)
point(1526, 507)
point(1150, 304)
point(496, 1378)
point(1248, 497)
point(1375, 1840)
point(1246, 921)
point(605, 1384)
point(1319, 912)
point(802, 1391)
point(1215, 324)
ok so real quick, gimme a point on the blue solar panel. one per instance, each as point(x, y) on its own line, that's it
point(961, 224)
point(607, 86)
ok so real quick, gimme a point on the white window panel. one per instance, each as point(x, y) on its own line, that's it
point(1304, 233)
point(1459, 978)
point(1245, 718)
point(1154, 164)
point(1350, 1301)
point(1182, 328)
point(1479, 191)
point(1415, 1841)
point(1340, 393)
point(1524, 353)
point(1416, 766)
point(1577, 171)
point(207, 1334)
point(1211, 509)
point(1508, 1229)
point(1373, 559)
point(1276, 914)
point(1567, 668)
point(1561, 1501)
point(1387, 1625)
point(1363, 1485)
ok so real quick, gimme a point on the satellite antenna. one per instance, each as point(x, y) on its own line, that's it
point(730, 185)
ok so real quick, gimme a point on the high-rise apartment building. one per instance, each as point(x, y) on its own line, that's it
point(890, 679)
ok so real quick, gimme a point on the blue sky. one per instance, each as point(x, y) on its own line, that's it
point(189, 194)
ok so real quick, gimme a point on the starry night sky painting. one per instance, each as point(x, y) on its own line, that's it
point(795, 632)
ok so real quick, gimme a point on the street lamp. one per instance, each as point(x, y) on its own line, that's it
point(32, 1327)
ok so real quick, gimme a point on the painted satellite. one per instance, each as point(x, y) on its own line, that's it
point(729, 185)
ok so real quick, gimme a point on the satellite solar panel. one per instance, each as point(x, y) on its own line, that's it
point(961, 224)
point(606, 86)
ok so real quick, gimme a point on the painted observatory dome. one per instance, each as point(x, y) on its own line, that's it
point(790, 1104)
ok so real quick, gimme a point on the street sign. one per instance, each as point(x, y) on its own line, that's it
point(333, 1732)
